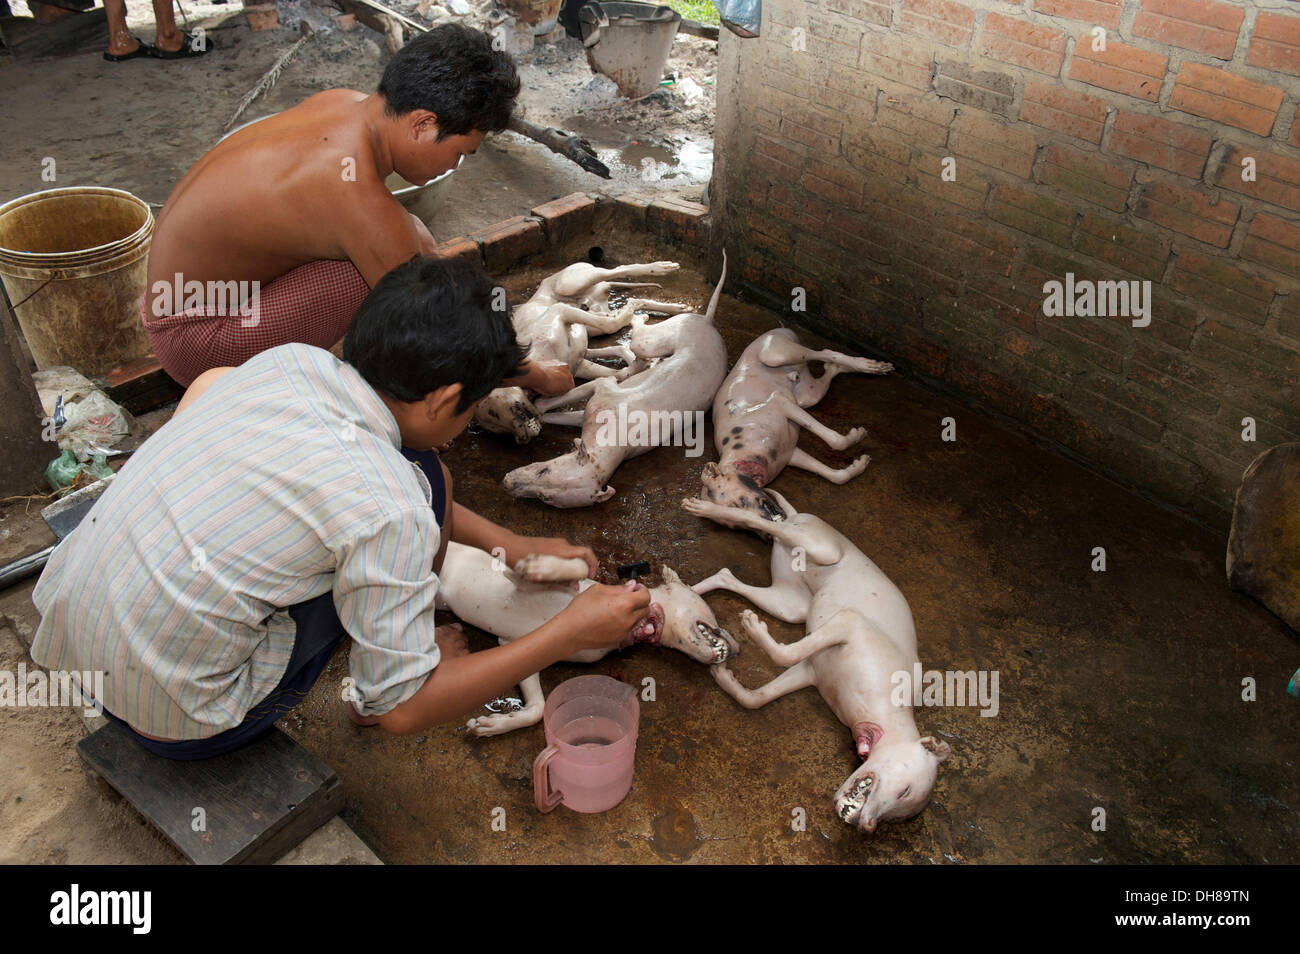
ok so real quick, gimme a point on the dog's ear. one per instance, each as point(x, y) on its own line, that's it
point(603, 495)
point(936, 747)
point(669, 574)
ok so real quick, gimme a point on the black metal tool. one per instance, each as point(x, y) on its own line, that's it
point(630, 571)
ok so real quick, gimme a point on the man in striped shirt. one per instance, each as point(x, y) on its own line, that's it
point(275, 515)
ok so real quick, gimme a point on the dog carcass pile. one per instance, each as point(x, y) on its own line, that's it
point(859, 629)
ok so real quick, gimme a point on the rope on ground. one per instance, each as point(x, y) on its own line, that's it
point(270, 76)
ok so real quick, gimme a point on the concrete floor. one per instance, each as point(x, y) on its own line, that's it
point(1120, 690)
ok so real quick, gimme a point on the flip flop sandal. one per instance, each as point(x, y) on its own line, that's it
point(186, 51)
point(144, 49)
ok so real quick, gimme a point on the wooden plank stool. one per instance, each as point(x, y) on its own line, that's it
point(140, 387)
point(258, 801)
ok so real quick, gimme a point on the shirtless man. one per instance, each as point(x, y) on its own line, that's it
point(278, 233)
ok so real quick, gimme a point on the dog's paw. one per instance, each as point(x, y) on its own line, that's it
point(694, 505)
point(852, 437)
point(661, 268)
point(545, 568)
point(751, 624)
point(483, 726)
point(851, 471)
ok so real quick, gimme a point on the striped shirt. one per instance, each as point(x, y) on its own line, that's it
point(283, 481)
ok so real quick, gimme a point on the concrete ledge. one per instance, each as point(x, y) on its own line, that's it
point(510, 242)
point(679, 220)
point(563, 218)
point(553, 224)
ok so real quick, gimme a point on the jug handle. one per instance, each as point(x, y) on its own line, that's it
point(542, 794)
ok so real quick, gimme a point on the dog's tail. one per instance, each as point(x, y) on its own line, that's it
point(717, 291)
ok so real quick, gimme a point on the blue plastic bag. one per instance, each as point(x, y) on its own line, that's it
point(741, 17)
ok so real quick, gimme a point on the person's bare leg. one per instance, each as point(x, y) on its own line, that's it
point(120, 40)
point(201, 384)
point(169, 35)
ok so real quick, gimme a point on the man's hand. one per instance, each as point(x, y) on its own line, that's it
point(604, 617)
point(521, 547)
point(546, 379)
point(553, 379)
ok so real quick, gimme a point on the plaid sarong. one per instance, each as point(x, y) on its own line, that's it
point(311, 304)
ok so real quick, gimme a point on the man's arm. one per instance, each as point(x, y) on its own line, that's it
point(473, 530)
point(378, 234)
point(547, 379)
point(384, 594)
point(601, 617)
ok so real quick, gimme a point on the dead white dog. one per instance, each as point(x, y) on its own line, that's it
point(689, 362)
point(554, 325)
point(759, 410)
point(859, 634)
point(510, 603)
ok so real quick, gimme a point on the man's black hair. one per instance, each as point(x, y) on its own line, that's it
point(431, 322)
point(452, 71)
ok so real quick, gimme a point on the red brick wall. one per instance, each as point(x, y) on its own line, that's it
point(1122, 164)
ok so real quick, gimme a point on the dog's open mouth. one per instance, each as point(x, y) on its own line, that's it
point(855, 798)
point(715, 637)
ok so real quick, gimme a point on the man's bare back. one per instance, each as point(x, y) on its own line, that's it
point(293, 210)
point(304, 185)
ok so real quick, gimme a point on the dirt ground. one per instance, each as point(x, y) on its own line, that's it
point(50, 810)
point(141, 124)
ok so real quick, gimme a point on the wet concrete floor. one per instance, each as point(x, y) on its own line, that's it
point(1119, 690)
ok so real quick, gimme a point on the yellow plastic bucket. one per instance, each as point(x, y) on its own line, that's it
point(74, 263)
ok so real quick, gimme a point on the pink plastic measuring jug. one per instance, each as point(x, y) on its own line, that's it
point(591, 725)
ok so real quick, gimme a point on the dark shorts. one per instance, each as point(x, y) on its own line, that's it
point(428, 462)
point(319, 634)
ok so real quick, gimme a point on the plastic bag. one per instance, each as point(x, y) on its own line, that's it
point(90, 416)
point(741, 17)
point(66, 471)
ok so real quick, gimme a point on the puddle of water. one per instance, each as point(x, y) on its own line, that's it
point(690, 160)
point(680, 159)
